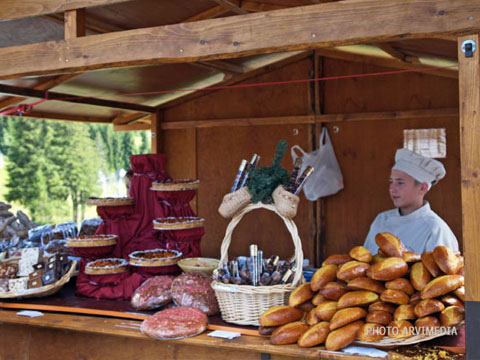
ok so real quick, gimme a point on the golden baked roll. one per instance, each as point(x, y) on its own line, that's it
point(300, 295)
point(280, 315)
point(266, 330)
point(415, 299)
point(377, 258)
point(428, 307)
point(371, 332)
point(419, 276)
point(441, 286)
point(400, 329)
point(452, 300)
point(411, 256)
point(342, 337)
point(365, 283)
point(333, 290)
point(428, 322)
point(307, 306)
point(382, 306)
point(352, 269)
point(356, 298)
point(325, 310)
point(323, 276)
point(360, 253)
point(460, 293)
point(318, 299)
point(379, 317)
point(345, 316)
point(395, 296)
point(336, 259)
point(452, 315)
point(288, 333)
point(430, 264)
point(311, 319)
point(316, 335)
point(405, 312)
point(390, 244)
point(388, 269)
point(401, 284)
point(446, 260)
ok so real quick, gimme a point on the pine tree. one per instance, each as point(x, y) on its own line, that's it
point(145, 146)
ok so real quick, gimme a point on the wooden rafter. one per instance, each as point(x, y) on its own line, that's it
point(64, 117)
point(14, 9)
point(208, 14)
point(224, 66)
point(131, 119)
point(231, 6)
point(397, 54)
point(74, 23)
point(332, 24)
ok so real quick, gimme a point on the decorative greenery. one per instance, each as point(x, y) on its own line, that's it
point(264, 180)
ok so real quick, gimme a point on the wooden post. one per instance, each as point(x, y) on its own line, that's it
point(469, 90)
point(157, 143)
point(74, 23)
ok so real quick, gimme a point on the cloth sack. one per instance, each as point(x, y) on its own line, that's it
point(326, 178)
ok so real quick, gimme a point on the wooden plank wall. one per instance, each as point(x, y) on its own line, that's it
point(365, 150)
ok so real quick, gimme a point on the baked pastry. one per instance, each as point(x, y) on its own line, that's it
point(91, 240)
point(120, 201)
point(177, 223)
point(155, 257)
point(106, 266)
point(175, 185)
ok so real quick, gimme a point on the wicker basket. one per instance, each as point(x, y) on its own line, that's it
point(243, 304)
point(232, 203)
point(285, 202)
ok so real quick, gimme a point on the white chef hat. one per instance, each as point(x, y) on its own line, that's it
point(421, 168)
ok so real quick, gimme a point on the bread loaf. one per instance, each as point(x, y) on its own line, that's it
point(378, 257)
point(288, 333)
point(323, 276)
point(405, 312)
point(430, 264)
point(333, 290)
point(325, 310)
point(460, 293)
point(441, 286)
point(371, 332)
point(428, 322)
point(419, 276)
point(342, 337)
point(307, 306)
point(311, 319)
point(365, 283)
point(452, 300)
point(428, 307)
point(390, 244)
point(446, 260)
point(452, 315)
point(382, 306)
point(411, 256)
point(360, 253)
point(388, 269)
point(300, 295)
point(337, 259)
point(345, 316)
point(266, 330)
point(352, 269)
point(318, 299)
point(395, 296)
point(379, 317)
point(400, 329)
point(356, 298)
point(415, 299)
point(316, 335)
point(401, 284)
point(280, 315)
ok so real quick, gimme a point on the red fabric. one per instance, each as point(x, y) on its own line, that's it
point(176, 203)
point(149, 240)
point(94, 253)
point(187, 241)
point(149, 271)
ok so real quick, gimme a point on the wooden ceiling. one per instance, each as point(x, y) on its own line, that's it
point(136, 58)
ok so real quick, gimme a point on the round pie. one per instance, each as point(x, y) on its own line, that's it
point(177, 223)
point(175, 185)
point(155, 257)
point(121, 201)
point(106, 266)
point(91, 240)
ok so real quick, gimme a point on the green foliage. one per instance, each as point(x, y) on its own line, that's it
point(264, 180)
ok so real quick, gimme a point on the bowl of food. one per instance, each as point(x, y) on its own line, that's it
point(199, 264)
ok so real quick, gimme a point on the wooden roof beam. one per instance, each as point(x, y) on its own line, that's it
point(208, 14)
point(397, 54)
point(225, 66)
point(231, 6)
point(14, 9)
point(319, 26)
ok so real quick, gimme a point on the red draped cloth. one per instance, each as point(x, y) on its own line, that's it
point(187, 241)
point(176, 203)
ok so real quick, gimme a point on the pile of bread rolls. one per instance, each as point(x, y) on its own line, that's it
point(395, 293)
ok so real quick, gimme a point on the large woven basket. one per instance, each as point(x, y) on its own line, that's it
point(243, 304)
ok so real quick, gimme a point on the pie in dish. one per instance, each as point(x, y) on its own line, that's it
point(106, 266)
point(175, 185)
point(177, 223)
point(91, 240)
point(155, 257)
point(120, 201)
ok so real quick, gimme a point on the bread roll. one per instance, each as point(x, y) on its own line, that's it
point(452, 300)
point(280, 315)
point(390, 244)
point(388, 269)
point(405, 312)
point(325, 310)
point(400, 329)
point(318, 299)
point(300, 295)
point(307, 306)
point(446, 260)
point(351, 270)
point(415, 299)
point(379, 317)
point(419, 276)
point(311, 319)
point(333, 290)
point(337, 259)
point(316, 335)
point(460, 293)
point(378, 257)
point(427, 322)
point(342, 337)
point(365, 283)
point(411, 256)
point(382, 306)
point(441, 286)
point(322, 276)
point(395, 296)
point(430, 264)
point(266, 330)
point(288, 333)
point(401, 284)
point(452, 315)
point(427, 307)
point(345, 316)
point(356, 298)
point(371, 332)
point(360, 253)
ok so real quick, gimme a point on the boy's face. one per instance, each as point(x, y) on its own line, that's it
point(405, 192)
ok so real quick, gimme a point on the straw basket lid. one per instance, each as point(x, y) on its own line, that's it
point(243, 304)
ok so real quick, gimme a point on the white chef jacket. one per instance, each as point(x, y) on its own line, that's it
point(421, 230)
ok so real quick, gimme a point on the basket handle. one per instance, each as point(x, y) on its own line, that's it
point(290, 224)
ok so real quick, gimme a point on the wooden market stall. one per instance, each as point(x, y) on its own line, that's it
point(381, 68)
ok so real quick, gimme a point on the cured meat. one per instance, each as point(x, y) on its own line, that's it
point(175, 323)
point(153, 293)
point(193, 289)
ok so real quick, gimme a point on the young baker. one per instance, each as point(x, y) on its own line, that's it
point(413, 222)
